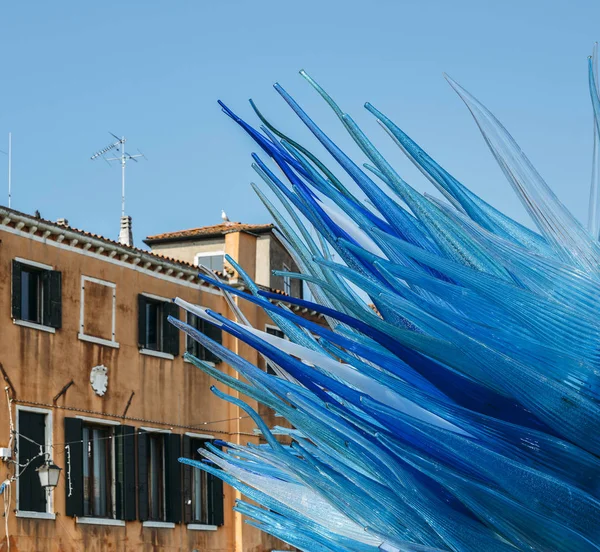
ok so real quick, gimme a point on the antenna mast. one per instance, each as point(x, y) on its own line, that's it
point(9, 155)
point(9, 168)
point(119, 145)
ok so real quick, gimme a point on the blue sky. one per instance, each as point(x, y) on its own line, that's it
point(153, 71)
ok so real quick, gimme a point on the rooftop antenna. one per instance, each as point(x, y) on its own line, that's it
point(9, 167)
point(119, 146)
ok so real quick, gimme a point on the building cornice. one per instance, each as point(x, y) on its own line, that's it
point(103, 249)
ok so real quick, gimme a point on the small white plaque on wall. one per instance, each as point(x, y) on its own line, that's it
point(99, 380)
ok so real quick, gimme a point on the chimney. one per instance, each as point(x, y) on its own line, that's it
point(126, 233)
point(62, 222)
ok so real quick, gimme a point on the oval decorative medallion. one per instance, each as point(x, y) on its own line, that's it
point(99, 379)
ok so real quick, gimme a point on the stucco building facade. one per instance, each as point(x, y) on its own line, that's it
point(96, 379)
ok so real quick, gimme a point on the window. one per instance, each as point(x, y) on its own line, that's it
point(36, 294)
point(214, 261)
point(203, 492)
point(159, 476)
point(98, 457)
point(32, 426)
point(99, 474)
point(277, 333)
point(287, 281)
point(155, 332)
point(208, 329)
point(97, 312)
point(156, 480)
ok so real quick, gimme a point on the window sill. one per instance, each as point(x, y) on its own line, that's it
point(34, 326)
point(157, 354)
point(98, 340)
point(200, 527)
point(205, 362)
point(158, 524)
point(35, 515)
point(100, 521)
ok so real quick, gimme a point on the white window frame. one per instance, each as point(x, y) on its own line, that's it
point(26, 323)
point(49, 513)
point(160, 524)
point(208, 254)
point(91, 338)
point(152, 352)
point(287, 281)
point(194, 526)
point(105, 521)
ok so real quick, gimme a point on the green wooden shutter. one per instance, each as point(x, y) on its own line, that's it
point(74, 468)
point(170, 332)
point(143, 505)
point(173, 477)
point(16, 290)
point(125, 480)
point(52, 298)
point(187, 480)
point(141, 321)
point(216, 334)
point(216, 515)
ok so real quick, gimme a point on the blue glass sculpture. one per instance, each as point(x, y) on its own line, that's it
point(453, 400)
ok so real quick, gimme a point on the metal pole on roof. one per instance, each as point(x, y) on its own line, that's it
point(9, 168)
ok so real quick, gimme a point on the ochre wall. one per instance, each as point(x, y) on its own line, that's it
point(168, 394)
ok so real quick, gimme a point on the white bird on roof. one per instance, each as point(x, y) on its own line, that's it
point(224, 216)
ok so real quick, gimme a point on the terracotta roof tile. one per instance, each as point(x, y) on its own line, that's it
point(206, 231)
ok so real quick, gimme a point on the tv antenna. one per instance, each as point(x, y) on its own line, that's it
point(118, 146)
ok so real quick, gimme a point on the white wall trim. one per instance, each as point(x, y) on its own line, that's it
point(157, 297)
point(34, 326)
point(159, 524)
point(199, 435)
point(49, 437)
point(98, 340)
point(201, 527)
point(35, 515)
point(35, 264)
point(100, 521)
point(157, 354)
point(88, 253)
point(155, 430)
point(112, 285)
point(99, 421)
point(98, 281)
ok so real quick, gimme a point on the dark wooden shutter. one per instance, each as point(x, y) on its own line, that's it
point(216, 515)
point(32, 497)
point(125, 463)
point(188, 479)
point(216, 334)
point(173, 477)
point(142, 462)
point(74, 474)
point(170, 332)
point(16, 290)
point(52, 298)
point(141, 321)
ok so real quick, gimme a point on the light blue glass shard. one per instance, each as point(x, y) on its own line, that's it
point(448, 399)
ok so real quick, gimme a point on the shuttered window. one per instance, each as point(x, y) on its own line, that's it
point(32, 427)
point(213, 332)
point(159, 476)
point(36, 295)
point(202, 491)
point(277, 333)
point(92, 452)
point(155, 332)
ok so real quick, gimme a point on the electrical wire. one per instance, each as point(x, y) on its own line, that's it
point(67, 443)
